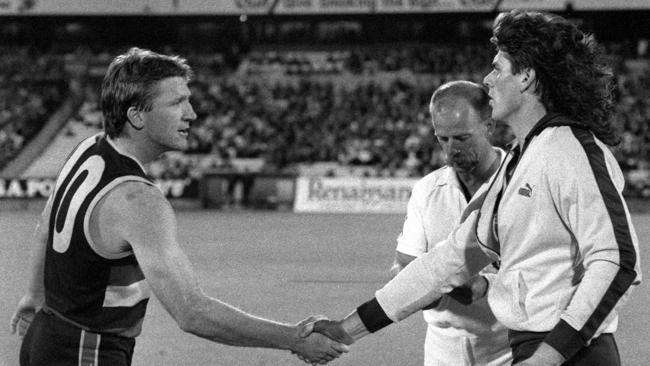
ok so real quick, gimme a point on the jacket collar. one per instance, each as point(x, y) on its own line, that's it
point(550, 120)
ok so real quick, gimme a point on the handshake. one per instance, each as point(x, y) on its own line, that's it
point(321, 340)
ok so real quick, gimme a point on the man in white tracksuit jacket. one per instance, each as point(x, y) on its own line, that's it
point(553, 215)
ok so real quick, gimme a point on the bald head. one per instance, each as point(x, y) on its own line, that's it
point(461, 92)
point(460, 112)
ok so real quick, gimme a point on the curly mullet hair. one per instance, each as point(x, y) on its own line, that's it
point(572, 77)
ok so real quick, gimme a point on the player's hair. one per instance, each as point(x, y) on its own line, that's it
point(473, 93)
point(572, 77)
point(130, 81)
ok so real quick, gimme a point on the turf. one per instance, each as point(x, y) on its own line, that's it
point(285, 266)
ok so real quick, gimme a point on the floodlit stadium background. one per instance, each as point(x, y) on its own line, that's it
point(312, 128)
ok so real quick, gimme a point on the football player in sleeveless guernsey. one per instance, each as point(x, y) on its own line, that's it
point(107, 238)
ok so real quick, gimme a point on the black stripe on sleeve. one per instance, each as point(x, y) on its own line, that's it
point(373, 316)
point(627, 254)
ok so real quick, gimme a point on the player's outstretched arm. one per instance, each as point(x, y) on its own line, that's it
point(473, 290)
point(34, 297)
point(401, 261)
point(139, 215)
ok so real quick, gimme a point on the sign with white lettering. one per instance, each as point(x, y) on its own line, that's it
point(610, 5)
point(532, 5)
point(351, 194)
point(326, 6)
point(26, 188)
point(433, 6)
point(42, 188)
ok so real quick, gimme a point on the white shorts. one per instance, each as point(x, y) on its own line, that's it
point(444, 347)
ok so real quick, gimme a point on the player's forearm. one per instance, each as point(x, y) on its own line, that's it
point(249, 331)
point(449, 264)
point(223, 323)
point(173, 281)
point(36, 284)
point(367, 318)
point(410, 291)
point(354, 326)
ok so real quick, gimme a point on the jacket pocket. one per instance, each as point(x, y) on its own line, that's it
point(508, 298)
point(521, 296)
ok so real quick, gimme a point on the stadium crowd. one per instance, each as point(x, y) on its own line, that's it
point(33, 87)
point(357, 107)
point(418, 59)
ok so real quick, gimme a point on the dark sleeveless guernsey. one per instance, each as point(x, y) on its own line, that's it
point(84, 285)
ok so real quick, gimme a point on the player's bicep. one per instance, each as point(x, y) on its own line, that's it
point(150, 228)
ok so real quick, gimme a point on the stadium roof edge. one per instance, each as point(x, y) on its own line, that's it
point(297, 7)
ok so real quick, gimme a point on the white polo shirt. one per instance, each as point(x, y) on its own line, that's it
point(434, 209)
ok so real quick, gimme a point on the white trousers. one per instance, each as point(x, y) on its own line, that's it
point(444, 347)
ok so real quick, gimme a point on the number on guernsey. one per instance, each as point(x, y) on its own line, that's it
point(84, 181)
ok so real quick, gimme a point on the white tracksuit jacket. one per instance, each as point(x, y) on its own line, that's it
point(563, 234)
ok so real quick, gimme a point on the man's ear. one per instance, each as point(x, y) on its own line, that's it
point(134, 118)
point(527, 78)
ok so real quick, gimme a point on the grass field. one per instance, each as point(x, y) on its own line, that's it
point(284, 266)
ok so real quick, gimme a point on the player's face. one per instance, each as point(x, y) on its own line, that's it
point(503, 87)
point(167, 124)
point(462, 135)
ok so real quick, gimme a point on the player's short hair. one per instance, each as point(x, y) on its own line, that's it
point(472, 93)
point(572, 76)
point(130, 80)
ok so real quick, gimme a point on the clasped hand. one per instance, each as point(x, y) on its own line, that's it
point(324, 331)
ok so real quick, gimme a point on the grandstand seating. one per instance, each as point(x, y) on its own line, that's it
point(351, 106)
point(33, 87)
